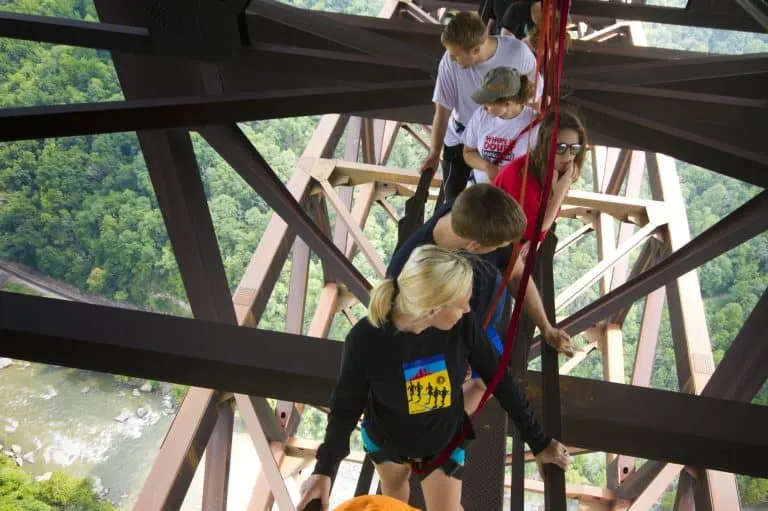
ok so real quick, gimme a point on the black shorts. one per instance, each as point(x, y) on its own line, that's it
point(453, 466)
point(456, 172)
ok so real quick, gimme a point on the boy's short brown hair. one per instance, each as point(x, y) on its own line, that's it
point(466, 30)
point(487, 215)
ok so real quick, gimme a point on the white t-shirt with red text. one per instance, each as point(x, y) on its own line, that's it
point(491, 136)
point(455, 85)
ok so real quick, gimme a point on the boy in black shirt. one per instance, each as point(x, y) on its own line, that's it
point(484, 221)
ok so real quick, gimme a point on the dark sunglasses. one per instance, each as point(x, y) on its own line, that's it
point(563, 148)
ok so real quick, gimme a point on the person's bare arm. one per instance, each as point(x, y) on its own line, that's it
point(559, 191)
point(474, 160)
point(439, 126)
point(534, 307)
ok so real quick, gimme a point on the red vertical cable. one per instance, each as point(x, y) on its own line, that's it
point(427, 467)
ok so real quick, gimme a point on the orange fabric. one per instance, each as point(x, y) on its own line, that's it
point(374, 503)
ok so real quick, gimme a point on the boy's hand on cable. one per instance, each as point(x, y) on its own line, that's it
point(555, 453)
point(317, 486)
point(559, 340)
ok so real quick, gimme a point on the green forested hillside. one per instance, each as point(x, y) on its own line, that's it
point(83, 210)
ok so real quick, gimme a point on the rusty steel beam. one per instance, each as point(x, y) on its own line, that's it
point(218, 455)
point(166, 348)
point(415, 134)
point(667, 71)
point(554, 477)
point(70, 32)
point(263, 269)
point(658, 136)
point(757, 9)
point(391, 130)
point(354, 230)
point(174, 173)
point(612, 185)
point(268, 464)
point(722, 14)
point(589, 278)
point(323, 220)
point(331, 29)
point(693, 351)
point(131, 115)
point(648, 257)
point(626, 209)
point(574, 238)
point(372, 140)
point(417, 13)
point(648, 338)
point(743, 224)
point(257, 362)
point(265, 265)
point(297, 288)
point(237, 150)
point(738, 377)
point(351, 152)
point(634, 179)
point(744, 367)
point(360, 212)
point(358, 173)
point(669, 106)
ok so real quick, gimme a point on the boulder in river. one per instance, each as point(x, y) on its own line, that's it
point(5, 362)
point(147, 387)
point(124, 416)
point(143, 412)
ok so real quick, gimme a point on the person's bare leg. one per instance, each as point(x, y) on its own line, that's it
point(473, 392)
point(394, 480)
point(441, 492)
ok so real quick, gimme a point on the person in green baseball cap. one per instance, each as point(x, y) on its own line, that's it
point(502, 129)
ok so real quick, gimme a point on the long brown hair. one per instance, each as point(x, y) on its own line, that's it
point(569, 120)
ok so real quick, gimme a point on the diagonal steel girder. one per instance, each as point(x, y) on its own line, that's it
point(743, 224)
point(596, 414)
point(232, 144)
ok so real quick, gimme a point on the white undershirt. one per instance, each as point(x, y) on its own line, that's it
point(491, 135)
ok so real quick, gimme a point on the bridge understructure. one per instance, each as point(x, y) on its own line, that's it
point(372, 79)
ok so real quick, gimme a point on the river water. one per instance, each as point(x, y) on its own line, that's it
point(66, 417)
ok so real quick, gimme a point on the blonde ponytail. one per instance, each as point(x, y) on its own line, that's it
point(380, 304)
point(431, 278)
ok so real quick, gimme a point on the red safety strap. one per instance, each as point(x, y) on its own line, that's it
point(557, 60)
point(512, 143)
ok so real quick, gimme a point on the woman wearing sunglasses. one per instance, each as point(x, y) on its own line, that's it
point(569, 160)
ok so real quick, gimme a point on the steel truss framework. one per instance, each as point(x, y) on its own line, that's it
point(376, 75)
